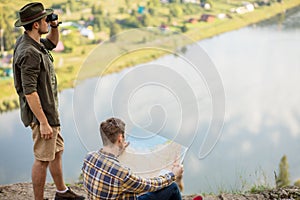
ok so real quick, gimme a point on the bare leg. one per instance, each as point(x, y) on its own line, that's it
point(38, 176)
point(55, 167)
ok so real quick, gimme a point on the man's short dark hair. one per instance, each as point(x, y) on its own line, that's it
point(110, 130)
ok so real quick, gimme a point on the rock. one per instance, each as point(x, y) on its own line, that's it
point(23, 191)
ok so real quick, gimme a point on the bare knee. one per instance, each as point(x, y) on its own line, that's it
point(39, 163)
point(58, 154)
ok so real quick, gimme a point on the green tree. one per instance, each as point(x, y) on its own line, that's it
point(297, 183)
point(70, 41)
point(121, 10)
point(7, 37)
point(133, 13)
point(114, 29)
point(169, 19)
point(127, 2)
point(1, 31)
point(152, 11)
point(146, 20)
point(176, 11)
point(71, 5)
point(174, 1)
point(184, 28)
point(154, 3)
point(97, 9)
point(132, 22)
point(99, 23)
point(283, 178)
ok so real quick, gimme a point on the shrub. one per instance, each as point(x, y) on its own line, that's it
point(184, 28)
point(283, 178)
point(176, 11)
point(297, 183)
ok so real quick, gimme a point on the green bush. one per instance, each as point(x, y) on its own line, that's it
point(184, 28)
point(9, 105)
point(2, 107)
point(176, 10)
point(283, 178)
point(258, 188)
point(191, 9)
point(297, 183)
point(16, 102)
point(121, 10)
point(147, 20)
point(152, 11)
point(114, 29)
point(131, 22)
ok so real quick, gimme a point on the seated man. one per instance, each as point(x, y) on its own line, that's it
point(105, 178)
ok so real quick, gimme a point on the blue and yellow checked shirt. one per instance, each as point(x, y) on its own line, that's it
point(105, 178)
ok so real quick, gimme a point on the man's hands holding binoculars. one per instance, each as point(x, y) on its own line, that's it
point(53, 20)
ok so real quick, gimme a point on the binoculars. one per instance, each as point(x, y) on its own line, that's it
point(51, 17)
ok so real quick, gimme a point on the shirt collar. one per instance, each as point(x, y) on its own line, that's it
point(109, 155)
point(37, 45)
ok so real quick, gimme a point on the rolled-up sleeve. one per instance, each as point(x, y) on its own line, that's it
point(30, 70)
point(48, 44)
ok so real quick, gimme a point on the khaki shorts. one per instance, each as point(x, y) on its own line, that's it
point(45, 150)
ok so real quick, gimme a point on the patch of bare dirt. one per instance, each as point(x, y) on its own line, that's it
point(23, 191)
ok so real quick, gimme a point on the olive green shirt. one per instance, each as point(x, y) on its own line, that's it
point(34, 72)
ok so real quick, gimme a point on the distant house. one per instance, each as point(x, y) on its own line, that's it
point(222, 16)
point(65, 31)
point(241, 10)
point(164, 1)
point(191, 1)
point(163, 27)
point(192, 20)
point(205, 5)
point(87, 33)
point(247, 7)
point(207, 18)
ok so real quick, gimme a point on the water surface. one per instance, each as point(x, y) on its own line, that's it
point(260, 69)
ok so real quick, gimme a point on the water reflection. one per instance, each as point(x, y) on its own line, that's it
point(287, 20)
point(260, 70)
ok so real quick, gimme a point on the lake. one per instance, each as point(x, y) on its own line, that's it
point(259, 68)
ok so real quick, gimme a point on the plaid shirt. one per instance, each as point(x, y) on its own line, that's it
point(105, 178)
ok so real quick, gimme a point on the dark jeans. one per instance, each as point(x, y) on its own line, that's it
point(168, 193)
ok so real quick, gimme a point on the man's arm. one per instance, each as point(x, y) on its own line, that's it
point(53, 35)
point(33, 100)
point(136, 184)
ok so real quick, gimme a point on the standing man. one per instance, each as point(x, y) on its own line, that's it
point(105, 178)
point(35, 83)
